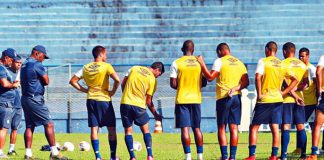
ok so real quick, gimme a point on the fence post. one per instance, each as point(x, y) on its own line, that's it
point(69, 112)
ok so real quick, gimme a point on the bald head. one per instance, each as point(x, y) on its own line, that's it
point(188, 47)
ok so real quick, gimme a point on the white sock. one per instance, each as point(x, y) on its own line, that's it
point(11, 147)
point(200, 156)
point(188, 156)
point(54, 150)
point(1, 152)
point(29, 152)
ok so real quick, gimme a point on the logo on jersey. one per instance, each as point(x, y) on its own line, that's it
point(295, 63)
point(143, 72)
point(191, 62)
point(232, 61)
point(93, 68)
point(275, 62)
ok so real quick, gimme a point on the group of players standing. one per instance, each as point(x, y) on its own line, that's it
point(287, 93)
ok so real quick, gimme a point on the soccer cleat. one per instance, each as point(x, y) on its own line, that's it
point(250, 158)
point(12, 153)
point(30, 158)
point(150, 158)
point(58, 157)
point(312, 157)
point(273, 158)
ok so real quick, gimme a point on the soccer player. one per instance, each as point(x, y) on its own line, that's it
point(14, 71)
point(228, 95)
point(308, 87)
point(186, 78)
point(319, 117)
point(293, 105)
point(34, 79)
point(100, 109)
point(7, 95)
point(138, 86)
point(269, 76)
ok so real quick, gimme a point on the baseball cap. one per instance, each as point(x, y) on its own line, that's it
point(42, 49)
point(10, 52)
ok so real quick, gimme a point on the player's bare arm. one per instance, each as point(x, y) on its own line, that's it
point(209, 75)
point(291, 86)
point(115, 77)
point(244, 82)
point(45, 80)
point(6, 84)
point(75, 83)
point(173, 83)
point(319, 80)
point(258, 80)
point(303, 84)
point(151, 107)
point(124, 83)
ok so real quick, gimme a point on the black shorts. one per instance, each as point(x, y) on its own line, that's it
point(187, 115)
point(293, 114)
point(100, 114)
point(267, 113)
point(228, 110)
point(35, 111)
point(130, 114)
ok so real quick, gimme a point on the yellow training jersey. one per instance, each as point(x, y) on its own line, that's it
point(299, 70)
point(272, 77)
point(230, 71)
point(189, 78)
point(321, 63)
point(310, 92)
point(96, 76)
point(140, 82)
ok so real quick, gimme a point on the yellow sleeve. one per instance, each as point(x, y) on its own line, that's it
point(110, 69)
point(152, 87)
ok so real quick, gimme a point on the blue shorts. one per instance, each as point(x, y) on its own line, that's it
point(320, 105)
point(16, 118)
point(35, 111)
point(293, 114)
point(309, 109)
point(228, 110)
point(5, 114)
point(267, 113)
point(130, 114)
point(187, 115)
point(100, 114)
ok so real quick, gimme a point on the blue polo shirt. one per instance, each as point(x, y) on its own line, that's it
point(17, 101)
point(31, 73)
point(6, 95)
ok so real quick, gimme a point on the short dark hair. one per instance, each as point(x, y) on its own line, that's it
point(187, 46)
point(304, 49)
point(97, 50)
point(222, 46)
point(290, 47)
point(272, 46)
point(158, 65)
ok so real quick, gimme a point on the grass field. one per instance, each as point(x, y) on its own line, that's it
point(165, 146)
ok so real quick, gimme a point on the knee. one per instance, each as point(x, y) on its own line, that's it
point(50, 125)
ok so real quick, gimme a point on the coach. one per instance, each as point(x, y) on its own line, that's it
point(34, 78)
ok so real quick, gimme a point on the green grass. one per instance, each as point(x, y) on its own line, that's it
point(165, 146)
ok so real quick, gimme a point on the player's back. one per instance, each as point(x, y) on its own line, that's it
point(309, 92)
point(272, 78)
point(230, 74)
point(298, 68)
point(96, 76)
point(140, 82)
point(189, 80)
